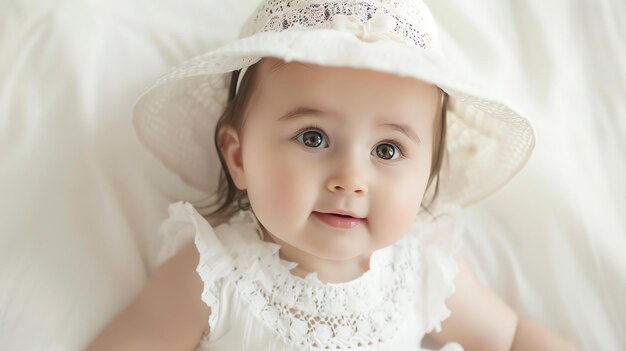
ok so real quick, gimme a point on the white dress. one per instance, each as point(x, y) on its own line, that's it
point(257, 304)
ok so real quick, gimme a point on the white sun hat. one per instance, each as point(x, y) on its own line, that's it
point(487, 143)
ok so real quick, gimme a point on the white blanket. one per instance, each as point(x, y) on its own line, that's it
point(81, 200)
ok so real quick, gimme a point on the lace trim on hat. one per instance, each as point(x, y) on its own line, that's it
point(280, 15)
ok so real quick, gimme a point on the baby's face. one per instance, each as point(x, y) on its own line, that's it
point(329, 140)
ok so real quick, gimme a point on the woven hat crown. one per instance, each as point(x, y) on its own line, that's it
point(405, 21)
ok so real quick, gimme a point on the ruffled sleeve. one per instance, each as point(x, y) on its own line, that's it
point(184, 225)
point(439, 238)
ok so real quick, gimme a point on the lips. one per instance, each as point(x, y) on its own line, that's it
point(339, 220)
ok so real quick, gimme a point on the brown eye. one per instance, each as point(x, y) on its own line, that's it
point(312, 138)
point(385, 151)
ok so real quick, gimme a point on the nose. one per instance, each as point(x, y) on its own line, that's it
point(347, 180)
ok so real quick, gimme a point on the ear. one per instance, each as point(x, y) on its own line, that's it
point(230, 146)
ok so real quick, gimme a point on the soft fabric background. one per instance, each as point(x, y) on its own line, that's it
point(81, 200)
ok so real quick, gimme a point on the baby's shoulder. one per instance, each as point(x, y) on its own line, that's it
point(173, 289)
point(185, 224)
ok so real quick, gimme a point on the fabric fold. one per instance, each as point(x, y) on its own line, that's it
point(440, 240)
point(184, 225)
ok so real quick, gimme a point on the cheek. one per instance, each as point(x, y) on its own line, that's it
point(402, 207)
point(396, 209)
point(277, 184)
point(283, 185)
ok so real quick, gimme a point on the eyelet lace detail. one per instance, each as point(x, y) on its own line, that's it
point(413, 276)
point(305, 312)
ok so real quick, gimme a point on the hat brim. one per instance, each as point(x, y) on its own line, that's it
point(487, 142)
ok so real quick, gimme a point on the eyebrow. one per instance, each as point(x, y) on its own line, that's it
point(404, 129)
point(302, 111)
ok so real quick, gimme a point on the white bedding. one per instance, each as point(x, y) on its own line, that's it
point(80, 200)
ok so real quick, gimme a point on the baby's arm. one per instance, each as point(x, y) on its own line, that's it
point(481, 321)
point(167, 315)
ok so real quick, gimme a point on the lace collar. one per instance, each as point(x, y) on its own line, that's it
point(306, 311)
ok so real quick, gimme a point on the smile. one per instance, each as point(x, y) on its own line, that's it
point(338, 221)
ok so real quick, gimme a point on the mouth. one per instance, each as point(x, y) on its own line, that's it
point(339, 220)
